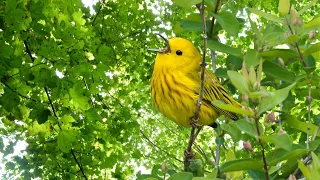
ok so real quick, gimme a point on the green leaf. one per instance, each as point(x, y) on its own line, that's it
point(80, 99)
point(305, 171)
point(273, 35)
point(284, 7)
point(65, 140)
point(228, 22)
point(315, 92)
point(313, 24)
point(256, 174)
point(232, 130)
point(247, 127)
point(239, 82)
point(267, 16)
point(279, 140)
point(315, 171)
point(300, 125)
point(283, 53)
point(231, 108)
point(311, 64)
point(276, 98)
point(189, 25)
point(233, 63)
point(292, 39)
point(43, 116)
point(148, 177)
point(312, 49)
point(221, 72)
point(181, 175)
point(278, 155)
point(217, 46)
point(241, 165)
point(278, 72)
point(197, 167)
point(251, 58)
point(77, 17)
point(186, 4)
point(10, 5)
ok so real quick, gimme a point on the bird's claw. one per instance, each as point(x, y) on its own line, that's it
point(194, 122)
point(188, 154)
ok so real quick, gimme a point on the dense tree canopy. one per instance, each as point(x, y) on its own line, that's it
point(75, 89)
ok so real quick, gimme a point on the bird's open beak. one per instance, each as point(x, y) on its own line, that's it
point(162, 51)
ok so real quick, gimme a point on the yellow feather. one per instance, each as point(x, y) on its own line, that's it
point(175, 86)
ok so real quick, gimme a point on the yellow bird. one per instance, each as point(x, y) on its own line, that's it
point(175, 85)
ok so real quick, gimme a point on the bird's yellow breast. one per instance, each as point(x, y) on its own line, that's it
point(175, 95)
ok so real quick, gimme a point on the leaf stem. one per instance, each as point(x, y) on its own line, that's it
point(193, 136)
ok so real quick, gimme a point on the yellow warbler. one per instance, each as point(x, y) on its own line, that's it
point(175, 85)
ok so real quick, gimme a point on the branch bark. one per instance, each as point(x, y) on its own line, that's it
point(188, 153)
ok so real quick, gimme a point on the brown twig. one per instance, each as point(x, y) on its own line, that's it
point(193, 135)
point(297, 46)
point(265, 165)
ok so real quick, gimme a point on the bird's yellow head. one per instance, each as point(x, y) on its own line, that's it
point(179, 53)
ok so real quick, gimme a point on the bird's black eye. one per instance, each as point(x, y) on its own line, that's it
point(179, 53)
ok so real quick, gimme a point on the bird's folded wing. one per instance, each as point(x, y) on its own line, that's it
point(213, 90)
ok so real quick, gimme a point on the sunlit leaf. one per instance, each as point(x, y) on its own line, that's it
point(274, 99)
point(217, 46)
point(279, 140)
point(228, 21)
point(242, 164)
point(181, 175)
point(186, 4)
point(267, 16)
point(284, 7)
point(238, 81)
point(66, 139)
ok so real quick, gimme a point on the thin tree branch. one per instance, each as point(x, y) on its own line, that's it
point(19, 94)
point(188, 153)
point(157, 147)
point(29, 68)
point(55, 114)
point(265, 165)
point(102, 3)
point(75, 158)
point(297, 46)
point(28, 50)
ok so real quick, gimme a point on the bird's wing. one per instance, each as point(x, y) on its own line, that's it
point(213, 90)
